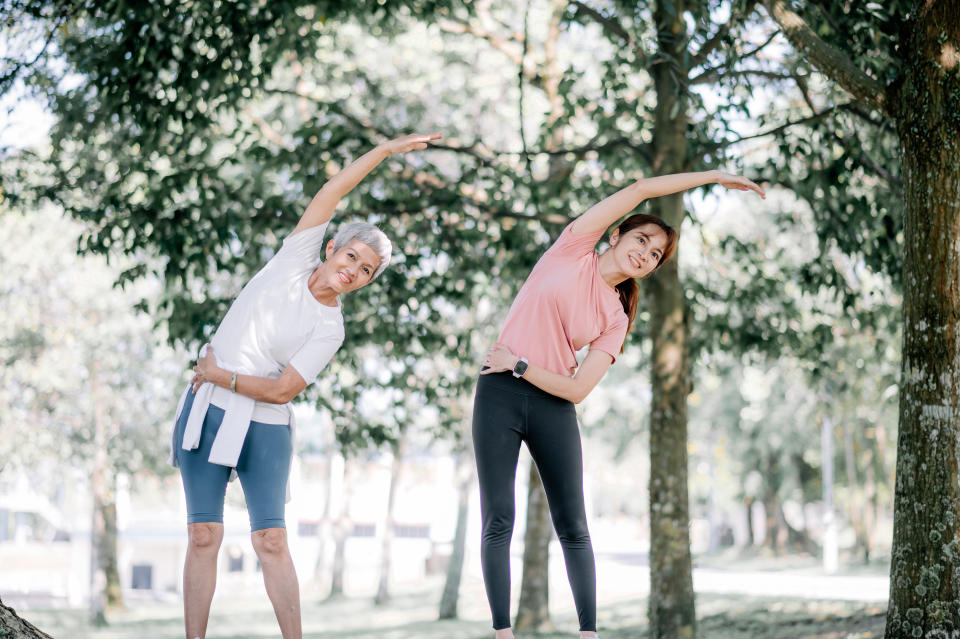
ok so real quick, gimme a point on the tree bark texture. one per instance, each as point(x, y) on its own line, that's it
point(671, 605)
point(12, 626)
point(109, 561)
point(387, 534)
point(342, 527)
point(925, 101)
point(451, 587)
point(532, 613)
point(533, 607)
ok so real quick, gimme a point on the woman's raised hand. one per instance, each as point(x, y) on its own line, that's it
point(412, 142)
point(739, 183)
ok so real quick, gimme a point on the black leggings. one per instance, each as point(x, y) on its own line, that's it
point(507, 411)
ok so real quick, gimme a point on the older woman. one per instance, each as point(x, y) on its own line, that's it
point(235, 418)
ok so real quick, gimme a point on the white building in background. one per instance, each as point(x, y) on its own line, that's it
point(45, 544)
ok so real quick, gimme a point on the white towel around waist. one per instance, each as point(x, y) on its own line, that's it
point(237, 414)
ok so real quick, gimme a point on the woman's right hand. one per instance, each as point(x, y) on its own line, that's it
point(206, 366)
point(412, 142)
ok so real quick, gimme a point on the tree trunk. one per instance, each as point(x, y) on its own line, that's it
point(857, 507)
point(772, 537)
point(671, 606)
point(387, 533)
point(109, 561)
point(332, 505)
point(748, 504)
point(341, 531)
point(105, 590)
point(869, 508)
point(830, 546)
point(451, 588)
point(532, 612)
point(533, 608)
point(925, 563)
point(13, 626)
point(98, 576)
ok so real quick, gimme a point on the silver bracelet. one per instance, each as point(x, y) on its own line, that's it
point(233, 383)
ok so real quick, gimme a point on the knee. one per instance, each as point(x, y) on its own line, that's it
point(498, 523)
point(572, 530)
point(270, 542)
point(205, 536)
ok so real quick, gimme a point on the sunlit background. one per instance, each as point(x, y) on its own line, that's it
point(795, 347)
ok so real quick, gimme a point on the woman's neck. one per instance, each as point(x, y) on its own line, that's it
point(321, 291)
point(609, 271)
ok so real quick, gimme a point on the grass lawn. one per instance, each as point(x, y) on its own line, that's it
point(411, 615)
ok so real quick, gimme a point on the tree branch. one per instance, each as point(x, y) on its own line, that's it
point(802, 85)
point(472, 197)
point(868, 162)
point(828, 59)
point(477, 149)
point(716, 73)
point(10, 76)
point(754, 51)
point(729, 63)
point(500, 44)
point(811, 118)
point(714, 41)
point(266, 130)
point(610, 25)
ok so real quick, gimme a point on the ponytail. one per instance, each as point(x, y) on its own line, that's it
point(629, 297)
point(628, 289)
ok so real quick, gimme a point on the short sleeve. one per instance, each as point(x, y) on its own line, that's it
point(314, 356)
point(572, 245)
point(611, 339)
point(305, 246)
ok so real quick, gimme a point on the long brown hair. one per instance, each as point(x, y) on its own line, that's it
point(628, 289)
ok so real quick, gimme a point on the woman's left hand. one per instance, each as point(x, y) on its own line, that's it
point(413, 142)
point(499, 358)
point(739, 183)
point(205, 367)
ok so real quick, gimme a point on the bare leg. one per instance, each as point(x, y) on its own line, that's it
point(504, 633)
point(200, 575)
point(280, 578)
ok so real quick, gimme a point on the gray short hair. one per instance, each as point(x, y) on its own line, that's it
point(369, 235)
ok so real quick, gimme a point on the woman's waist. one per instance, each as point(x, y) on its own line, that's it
point(506, 382)
point(558, 357)
point(263, 412)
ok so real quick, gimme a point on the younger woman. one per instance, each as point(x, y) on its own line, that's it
point(530, 381)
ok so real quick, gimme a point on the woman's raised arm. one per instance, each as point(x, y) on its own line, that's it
point(323, 204)
point(601, 215)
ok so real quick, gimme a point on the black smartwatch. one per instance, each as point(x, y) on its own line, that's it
point(520, 367)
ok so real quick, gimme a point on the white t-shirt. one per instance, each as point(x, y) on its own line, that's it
point(276, 322)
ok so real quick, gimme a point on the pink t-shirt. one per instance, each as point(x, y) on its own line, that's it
point(564, 305)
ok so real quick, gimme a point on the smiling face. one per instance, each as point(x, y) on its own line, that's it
point(639, 251)
point(350, 267)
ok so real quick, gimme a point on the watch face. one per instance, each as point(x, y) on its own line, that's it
point(520, 368)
